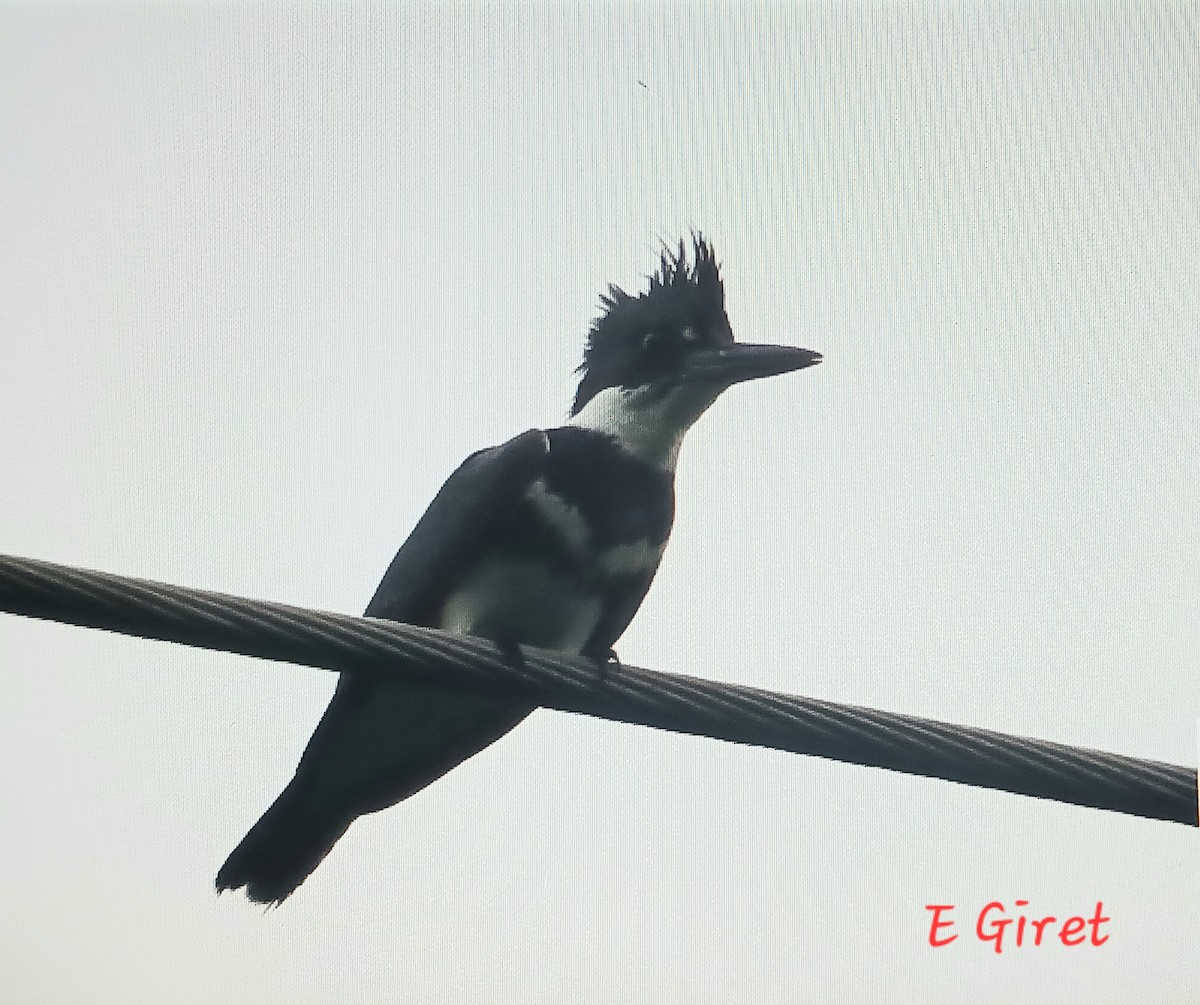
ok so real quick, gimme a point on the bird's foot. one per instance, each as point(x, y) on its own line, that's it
point(607, 664)
point(510, 649)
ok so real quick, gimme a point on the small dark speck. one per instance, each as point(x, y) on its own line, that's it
point(643, 84)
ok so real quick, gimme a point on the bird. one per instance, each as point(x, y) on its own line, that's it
point(551, 539)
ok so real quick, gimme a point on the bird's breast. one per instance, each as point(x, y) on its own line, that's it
point(524, 601)
point(549, 577)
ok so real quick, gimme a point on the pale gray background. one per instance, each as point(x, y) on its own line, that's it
point(267, 276)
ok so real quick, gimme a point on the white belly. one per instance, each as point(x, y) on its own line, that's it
point(522, 602)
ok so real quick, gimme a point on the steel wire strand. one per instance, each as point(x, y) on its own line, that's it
point(853, 734)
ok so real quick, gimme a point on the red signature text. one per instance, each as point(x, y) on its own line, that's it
point(1005, 928)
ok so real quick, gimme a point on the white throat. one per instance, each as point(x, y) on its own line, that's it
point(649, 426)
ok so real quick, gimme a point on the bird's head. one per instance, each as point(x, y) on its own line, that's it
point(655, 362)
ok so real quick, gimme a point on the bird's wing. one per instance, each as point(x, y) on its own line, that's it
point(480, 494)
point(378, 741)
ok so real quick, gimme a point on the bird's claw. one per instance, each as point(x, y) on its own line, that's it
point(606, 664)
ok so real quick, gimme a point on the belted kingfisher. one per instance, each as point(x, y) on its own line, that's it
point(551, 540)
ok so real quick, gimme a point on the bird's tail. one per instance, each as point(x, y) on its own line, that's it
point(282, 849)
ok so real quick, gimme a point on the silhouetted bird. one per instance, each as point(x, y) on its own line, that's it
point(551, 539)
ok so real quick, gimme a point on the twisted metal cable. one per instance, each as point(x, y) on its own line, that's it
point(730, 712)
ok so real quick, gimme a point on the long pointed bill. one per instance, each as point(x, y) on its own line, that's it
point(736, 362)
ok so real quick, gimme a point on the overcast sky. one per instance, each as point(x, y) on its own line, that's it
point(266, 277)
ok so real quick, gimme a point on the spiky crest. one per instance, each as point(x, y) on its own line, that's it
point(680, 295)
